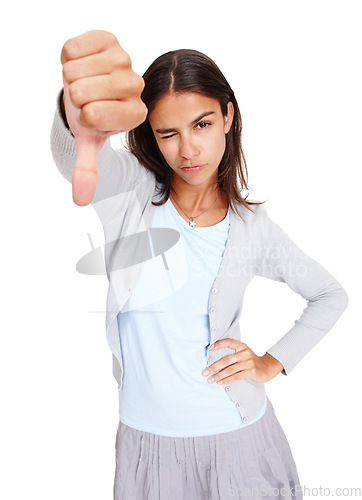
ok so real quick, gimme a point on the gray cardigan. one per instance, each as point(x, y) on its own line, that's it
point(256, 245)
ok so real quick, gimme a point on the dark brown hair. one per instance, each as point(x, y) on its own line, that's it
point(189, 70)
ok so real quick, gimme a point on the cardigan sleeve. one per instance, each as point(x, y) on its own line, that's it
point(118, 170)
point(326, 299)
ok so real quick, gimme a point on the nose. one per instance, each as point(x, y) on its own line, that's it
point(188, 149)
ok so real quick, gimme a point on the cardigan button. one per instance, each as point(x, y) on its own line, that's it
point(214, 290)
point(245, 420)
point(212, 309)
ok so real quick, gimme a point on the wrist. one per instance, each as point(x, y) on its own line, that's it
point(273, 365)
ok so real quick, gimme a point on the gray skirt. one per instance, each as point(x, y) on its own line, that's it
point(254, 462)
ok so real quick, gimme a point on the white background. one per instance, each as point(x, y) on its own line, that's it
point(295, 70)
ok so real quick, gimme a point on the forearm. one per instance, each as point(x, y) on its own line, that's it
point(284, 261)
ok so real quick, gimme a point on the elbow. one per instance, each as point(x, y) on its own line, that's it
point(344, 300)
point(340, 299)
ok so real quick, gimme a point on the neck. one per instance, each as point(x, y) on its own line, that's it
point(194, 198)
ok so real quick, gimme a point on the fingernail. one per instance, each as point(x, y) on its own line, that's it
point(211, 379)
point(205, 372)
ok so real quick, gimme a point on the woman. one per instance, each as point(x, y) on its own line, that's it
point(181, 246)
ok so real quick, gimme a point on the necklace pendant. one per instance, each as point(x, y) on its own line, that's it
point(192, 222)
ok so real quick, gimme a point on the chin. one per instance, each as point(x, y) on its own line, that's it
point(198, 178)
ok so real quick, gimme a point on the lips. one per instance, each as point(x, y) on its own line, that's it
point(192, 168)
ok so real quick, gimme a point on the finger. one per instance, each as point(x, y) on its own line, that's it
point(239, 375)
point(96, 64)
point(226, 372)
point(222, 364)
point(232, 343)
point(113, 115)
point(85, 172)
point(117, 86)
point(86, 44)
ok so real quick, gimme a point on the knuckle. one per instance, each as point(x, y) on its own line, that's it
point(69, 50)
point(68, 71)
point(142, 112)
point(143, 84)
point(114, 59)
point(91, 115)
point(125, 58)
point(124, 86)
point(140, 84)
point(109, 37)
point(132, 85)
point(103, 38)
point(77, 93)
point(139, 113)
point(120, 58)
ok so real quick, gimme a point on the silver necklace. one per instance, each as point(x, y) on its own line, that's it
point(192, 222)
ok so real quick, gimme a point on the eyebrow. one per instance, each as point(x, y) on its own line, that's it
point(168, 130)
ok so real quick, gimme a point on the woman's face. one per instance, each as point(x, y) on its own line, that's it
point(190, 132)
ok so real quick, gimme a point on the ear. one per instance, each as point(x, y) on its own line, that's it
point(229, 117)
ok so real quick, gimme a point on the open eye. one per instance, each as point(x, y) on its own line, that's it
point(203, 124)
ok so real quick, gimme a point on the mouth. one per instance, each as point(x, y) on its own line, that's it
point(193, 168)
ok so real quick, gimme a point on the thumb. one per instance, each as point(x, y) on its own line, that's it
point(85, 172)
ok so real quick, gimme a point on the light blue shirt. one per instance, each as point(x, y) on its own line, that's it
point(164, 333)
point(256, 246)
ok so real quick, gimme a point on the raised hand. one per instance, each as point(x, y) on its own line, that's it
point(102, 97)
